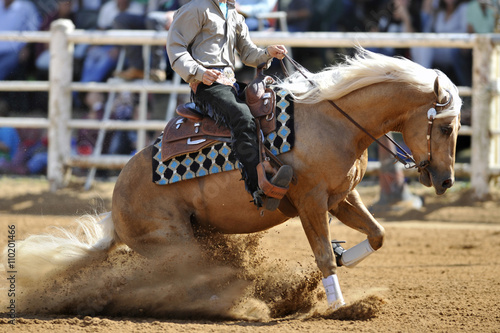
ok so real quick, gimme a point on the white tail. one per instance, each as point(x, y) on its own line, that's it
point(39, 256)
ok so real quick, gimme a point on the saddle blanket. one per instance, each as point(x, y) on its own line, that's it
point(218, 157)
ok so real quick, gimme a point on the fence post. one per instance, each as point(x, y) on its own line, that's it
point(60, 101)
point(481, 111)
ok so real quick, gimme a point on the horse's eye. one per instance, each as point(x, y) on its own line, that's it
point(446, 130)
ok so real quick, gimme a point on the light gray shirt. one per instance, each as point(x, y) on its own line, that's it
point(201, 38)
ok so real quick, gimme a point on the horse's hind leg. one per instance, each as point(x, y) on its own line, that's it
point(149, 225)
point(147, 217)
point(353, 213)
point(153, 233)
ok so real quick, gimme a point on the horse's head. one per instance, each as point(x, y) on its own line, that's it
point(431, 134)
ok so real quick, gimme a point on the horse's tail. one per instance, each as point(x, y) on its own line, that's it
point(40, 256)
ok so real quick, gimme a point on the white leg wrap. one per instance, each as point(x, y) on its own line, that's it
point(333, 293)
point(356, 254)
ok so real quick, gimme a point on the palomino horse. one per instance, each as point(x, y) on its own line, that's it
point(329, 159)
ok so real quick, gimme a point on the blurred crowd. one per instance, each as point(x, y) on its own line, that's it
point(21, 151)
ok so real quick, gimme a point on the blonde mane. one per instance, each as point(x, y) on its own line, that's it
point(363, 69)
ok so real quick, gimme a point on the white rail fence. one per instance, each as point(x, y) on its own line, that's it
point(485, 129)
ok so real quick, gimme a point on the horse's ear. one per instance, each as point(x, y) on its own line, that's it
point(440, 93)
point(436, 86)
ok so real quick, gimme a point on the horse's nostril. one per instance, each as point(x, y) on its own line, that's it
point(448, 183)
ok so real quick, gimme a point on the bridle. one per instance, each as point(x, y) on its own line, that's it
point(399, 157)
point(404, 155)
point(431, 115)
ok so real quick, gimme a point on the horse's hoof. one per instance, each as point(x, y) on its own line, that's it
point(338, 251)
point(338, 304)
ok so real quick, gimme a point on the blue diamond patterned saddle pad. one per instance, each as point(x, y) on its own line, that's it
point(218, 157)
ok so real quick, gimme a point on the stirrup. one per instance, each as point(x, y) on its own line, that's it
point(338, 251)
point(276, 188)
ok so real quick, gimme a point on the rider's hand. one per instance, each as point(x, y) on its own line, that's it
point(210, 76)
point(277, 51)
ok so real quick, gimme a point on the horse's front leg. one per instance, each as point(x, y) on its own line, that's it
point(353, 213)
point(314, 220)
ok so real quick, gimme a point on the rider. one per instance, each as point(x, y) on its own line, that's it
point(201, 46)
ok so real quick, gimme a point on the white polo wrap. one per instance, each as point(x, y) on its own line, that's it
point(333, 292)
point(356, 254)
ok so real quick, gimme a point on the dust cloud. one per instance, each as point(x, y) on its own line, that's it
point(221, 277)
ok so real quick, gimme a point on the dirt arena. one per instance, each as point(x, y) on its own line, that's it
point(438, 271)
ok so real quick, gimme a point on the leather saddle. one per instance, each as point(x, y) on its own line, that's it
point(192, 131)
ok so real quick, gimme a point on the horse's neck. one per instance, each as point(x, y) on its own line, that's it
point(378, 109)
point(383, 107)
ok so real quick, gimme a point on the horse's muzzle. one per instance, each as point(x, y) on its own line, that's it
point(448, 183)
point(441, 184)
point(425, 177)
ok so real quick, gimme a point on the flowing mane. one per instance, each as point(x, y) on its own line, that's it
point(363, 69)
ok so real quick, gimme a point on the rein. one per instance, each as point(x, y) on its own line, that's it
point(431, 114)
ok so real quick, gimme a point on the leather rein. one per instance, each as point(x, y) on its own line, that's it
point(399, 157)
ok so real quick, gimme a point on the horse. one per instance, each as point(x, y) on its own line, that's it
point(329, 159)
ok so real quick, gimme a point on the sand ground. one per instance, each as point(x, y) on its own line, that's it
point(438, 271)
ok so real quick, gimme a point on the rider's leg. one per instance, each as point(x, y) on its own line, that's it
point(235, 114)
point(228, 108)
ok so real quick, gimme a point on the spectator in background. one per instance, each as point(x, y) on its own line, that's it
point(87, 138)
point(250, 8)
point(299, 14)
point(16, 57)
point(480, 17)
point(86, 13)
point(120, 142)
point(449, 17)
point(31, 155)
point(64, 10)
point(101, 59)
point(157, 18)
point(9, 142)
point(395, 194)
point(123, 142)
point(16, 15)
point(399, 16)
point(9, 139)
point(343, 15)
point(113, 8)
point(326, 15)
